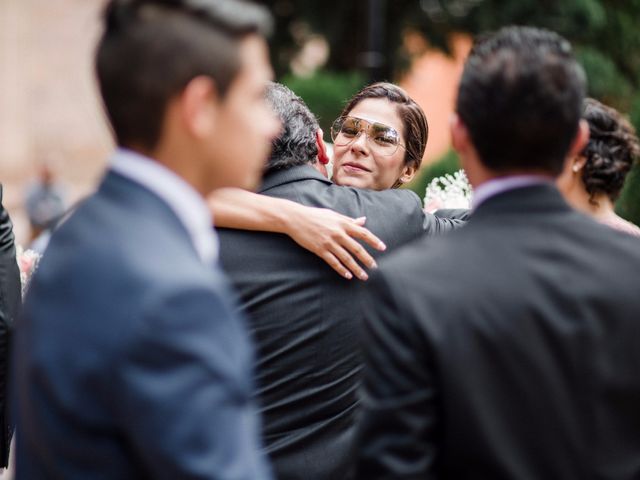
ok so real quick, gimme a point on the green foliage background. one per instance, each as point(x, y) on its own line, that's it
point(604, 34)
point(326, 93)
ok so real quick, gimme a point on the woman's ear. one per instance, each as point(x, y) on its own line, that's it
point(577, 163)
point(323, 157)
point(408, 172)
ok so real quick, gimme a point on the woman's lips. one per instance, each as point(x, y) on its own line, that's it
point(355, 168)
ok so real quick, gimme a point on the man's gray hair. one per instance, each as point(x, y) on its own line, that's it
point(297, 143)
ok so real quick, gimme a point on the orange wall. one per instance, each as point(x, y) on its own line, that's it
point(433, 81)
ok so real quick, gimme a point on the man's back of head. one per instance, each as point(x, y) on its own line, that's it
point(520, 99)
point(298, 143)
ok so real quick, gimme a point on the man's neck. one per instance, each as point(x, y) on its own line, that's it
point(500, 184)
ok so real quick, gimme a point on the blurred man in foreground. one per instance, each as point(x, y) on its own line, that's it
point(510, 348)
point(129, 360)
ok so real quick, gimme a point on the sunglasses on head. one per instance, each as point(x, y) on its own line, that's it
point(383, 139)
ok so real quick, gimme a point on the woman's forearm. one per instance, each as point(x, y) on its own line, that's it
point(243, 210)
point(326, 233)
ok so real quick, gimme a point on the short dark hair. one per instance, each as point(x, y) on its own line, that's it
point(151, 49)
point(296, 145)
point(612, 150)
point(520, 97)
point(416, 128)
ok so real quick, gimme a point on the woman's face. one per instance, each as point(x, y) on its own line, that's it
point(357, 164)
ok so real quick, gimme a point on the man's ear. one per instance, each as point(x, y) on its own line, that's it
point(459, 134)
point(470, 161)
point(580, 140)
point(199, 105)
point(323, 157)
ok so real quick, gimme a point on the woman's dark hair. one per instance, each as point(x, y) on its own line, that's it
point(151, 50)
point(612, 150)
point(416, 128)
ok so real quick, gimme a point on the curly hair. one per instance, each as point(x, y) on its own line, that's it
point(611, 152)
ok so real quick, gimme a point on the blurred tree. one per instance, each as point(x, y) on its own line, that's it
point(325, 93)
point(603, 33)
point(447, 163)
point(604, 26)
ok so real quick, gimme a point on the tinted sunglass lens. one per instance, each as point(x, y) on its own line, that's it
point(345, 130)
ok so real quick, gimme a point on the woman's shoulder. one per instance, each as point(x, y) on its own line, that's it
point(622, 225)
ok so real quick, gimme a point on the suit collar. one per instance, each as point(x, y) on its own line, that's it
point(541, 198)
point(293, 174)
point(186, 203)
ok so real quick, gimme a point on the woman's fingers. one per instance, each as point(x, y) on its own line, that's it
point(360, 232)
point(348, 262)
point(355, 249)
point(334, 263)
point(336, 239)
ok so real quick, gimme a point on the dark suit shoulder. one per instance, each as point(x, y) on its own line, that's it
point(396, 216)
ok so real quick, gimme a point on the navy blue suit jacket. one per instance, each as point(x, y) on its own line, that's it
point(128, 360)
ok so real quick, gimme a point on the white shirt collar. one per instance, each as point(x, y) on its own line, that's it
point(186, 203)
point(499, 185)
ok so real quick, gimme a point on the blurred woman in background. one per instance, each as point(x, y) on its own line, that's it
point(592, 181)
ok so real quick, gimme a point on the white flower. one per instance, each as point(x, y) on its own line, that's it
point(448, 191)
point(27, 263)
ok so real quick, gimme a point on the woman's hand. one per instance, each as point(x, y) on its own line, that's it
point(333, 237)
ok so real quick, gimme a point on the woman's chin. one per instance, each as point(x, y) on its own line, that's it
point(356, 181)
point(346, 181)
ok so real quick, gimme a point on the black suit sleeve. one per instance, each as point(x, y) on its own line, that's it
point(397, 429)
point(10, 301)
point(437, 224)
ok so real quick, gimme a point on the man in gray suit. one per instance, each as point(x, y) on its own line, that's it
point(510, 349)
point(304, 317)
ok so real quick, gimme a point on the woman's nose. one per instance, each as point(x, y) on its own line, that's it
point(360, 143)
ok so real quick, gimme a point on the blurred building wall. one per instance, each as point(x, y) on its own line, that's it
point(433, 82)
point(49, 109)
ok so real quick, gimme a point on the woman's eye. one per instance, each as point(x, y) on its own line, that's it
point(385, 140)
point(349, 131)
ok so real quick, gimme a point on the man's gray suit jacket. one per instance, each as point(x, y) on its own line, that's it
point(305, 321)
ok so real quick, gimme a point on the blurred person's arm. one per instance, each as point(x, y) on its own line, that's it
point(326, 233)
point(10, 301)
